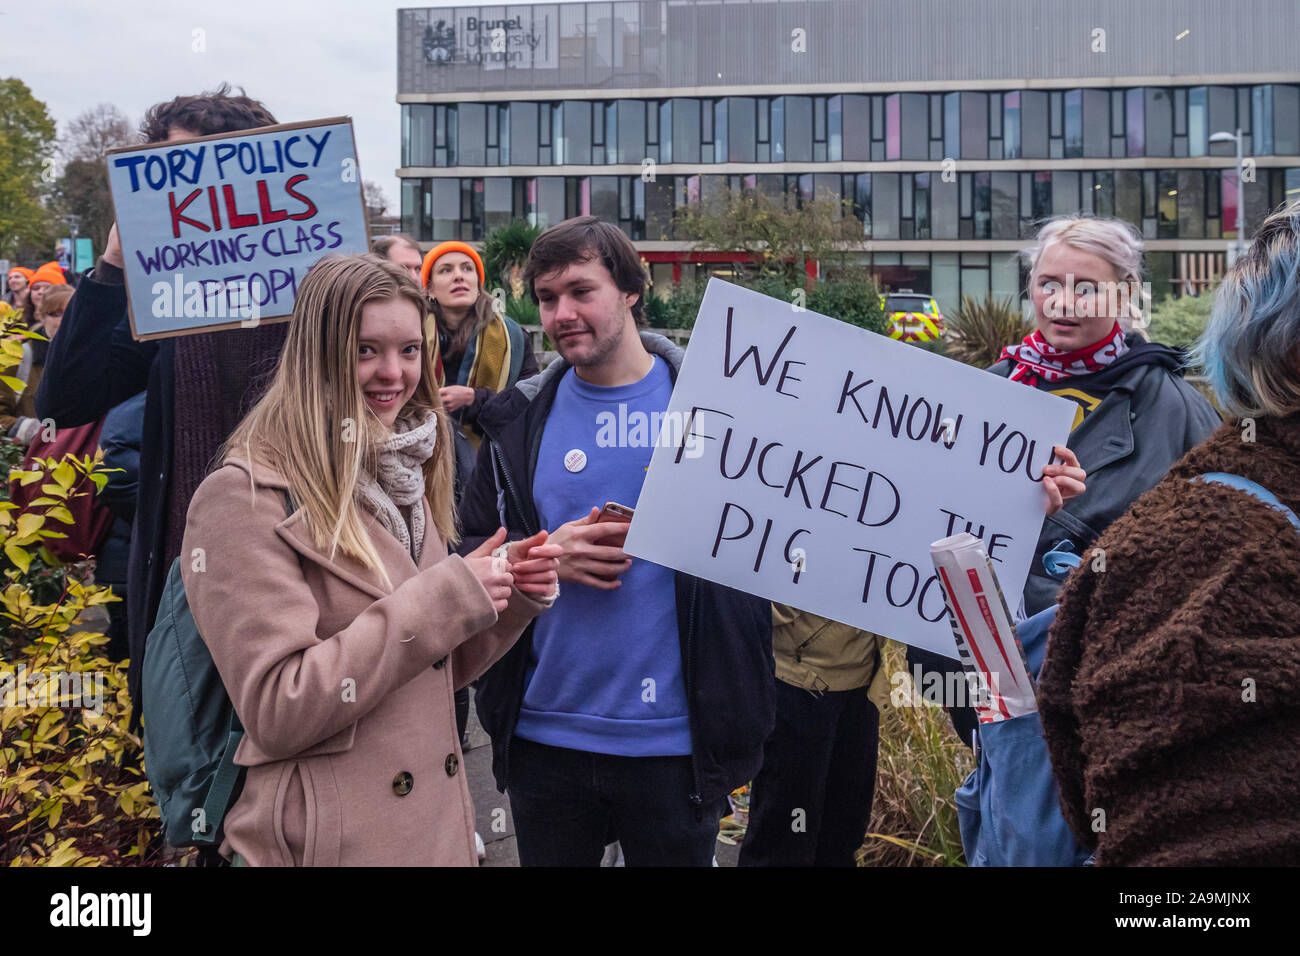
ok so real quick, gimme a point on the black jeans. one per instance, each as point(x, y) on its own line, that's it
point(567, 804)
point(810, 804)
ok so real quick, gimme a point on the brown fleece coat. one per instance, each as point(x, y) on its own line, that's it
point(344, 685)
point(1170, 693)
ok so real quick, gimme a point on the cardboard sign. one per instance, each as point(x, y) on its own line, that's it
point(219, 231)
point(813, 463)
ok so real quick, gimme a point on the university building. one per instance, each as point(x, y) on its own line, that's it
point(948, 128)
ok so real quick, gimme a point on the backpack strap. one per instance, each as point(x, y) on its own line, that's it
point(224, 780)
point(228, 774)
point(1250, 488)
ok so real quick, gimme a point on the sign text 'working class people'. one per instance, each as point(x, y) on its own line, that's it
point(818, 461)
point(219, 231)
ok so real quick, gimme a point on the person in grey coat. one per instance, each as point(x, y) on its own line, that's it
point(1136, 415)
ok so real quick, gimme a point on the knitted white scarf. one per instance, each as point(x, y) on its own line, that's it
point(399, 483)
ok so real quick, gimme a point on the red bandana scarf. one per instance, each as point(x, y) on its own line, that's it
point(1035, 358)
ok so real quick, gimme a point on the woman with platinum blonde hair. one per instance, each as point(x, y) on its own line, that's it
point(337, 619)
point(1169, 692)
point(1134, 416)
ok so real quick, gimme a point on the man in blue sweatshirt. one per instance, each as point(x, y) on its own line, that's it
point(643, 696)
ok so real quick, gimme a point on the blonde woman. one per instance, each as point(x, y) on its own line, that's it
point(1135, 415)
point(316, 567)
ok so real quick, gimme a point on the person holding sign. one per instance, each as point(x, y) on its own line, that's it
point(198, 386)
point(1136, 415)
point(478, 349)
point(1168, 693)
point(642, 698)
point(335, 616)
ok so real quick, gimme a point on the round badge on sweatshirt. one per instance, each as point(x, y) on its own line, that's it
point(575, 460)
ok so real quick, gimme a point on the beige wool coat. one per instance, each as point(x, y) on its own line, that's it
point(344, 685)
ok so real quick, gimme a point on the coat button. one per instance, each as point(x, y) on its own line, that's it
point(402, 783)
point(438, 664)
point(452, 764)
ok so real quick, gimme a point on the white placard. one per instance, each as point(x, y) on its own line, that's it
point(811, 462)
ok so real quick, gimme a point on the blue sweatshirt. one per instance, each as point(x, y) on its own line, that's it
point(605, 674)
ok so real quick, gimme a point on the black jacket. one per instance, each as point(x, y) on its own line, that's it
point(725, 635)
point(93, 365)
point(1148, 419)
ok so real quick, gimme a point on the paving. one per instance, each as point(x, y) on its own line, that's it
point(492, 809)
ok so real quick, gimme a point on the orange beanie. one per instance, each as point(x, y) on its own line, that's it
point(452, 245)
point(25, 272)
point(51, 273)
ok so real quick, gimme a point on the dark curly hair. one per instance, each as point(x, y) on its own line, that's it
point(219, 111)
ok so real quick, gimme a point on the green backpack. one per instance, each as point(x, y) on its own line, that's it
point(191, 730)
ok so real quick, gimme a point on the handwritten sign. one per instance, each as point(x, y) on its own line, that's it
point(813, 463)
point(218, 231)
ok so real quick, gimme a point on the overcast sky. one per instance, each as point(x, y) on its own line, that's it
point(305, 59)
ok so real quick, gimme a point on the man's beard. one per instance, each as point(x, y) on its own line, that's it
point(601, 350)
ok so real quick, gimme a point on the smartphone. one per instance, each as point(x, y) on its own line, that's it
point(613, 511)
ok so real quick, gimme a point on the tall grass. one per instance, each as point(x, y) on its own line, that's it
point(922, 763)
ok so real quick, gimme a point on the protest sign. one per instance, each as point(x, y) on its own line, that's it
point(813, 463)
point(218, 231)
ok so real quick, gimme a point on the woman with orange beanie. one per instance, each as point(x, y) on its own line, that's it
point(18, 285)
point(42, 279)
point(478, 350)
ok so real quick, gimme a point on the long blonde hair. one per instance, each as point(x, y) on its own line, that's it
point(313, 427)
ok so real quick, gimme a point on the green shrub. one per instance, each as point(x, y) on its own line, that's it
point(981, 328)
point(1179, 322)
point(505, 249)
point(920, 766)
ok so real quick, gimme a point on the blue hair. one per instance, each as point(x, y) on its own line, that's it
point(1250, 350)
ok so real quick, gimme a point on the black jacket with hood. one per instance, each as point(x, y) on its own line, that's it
point(725, 634)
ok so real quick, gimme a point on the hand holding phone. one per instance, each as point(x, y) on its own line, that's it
point(593, 547)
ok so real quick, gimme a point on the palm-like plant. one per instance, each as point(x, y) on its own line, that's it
point(505, 250)
point(981, 328)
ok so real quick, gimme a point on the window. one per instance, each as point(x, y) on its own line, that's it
point(884, 205)
point(720, 130)
point(1261, 102)
point(1033, 124)
point(413, 193)
point(1073, 123)
point(1103, 193)
point(856, 112)
point(1286, 120)
point(1135, 123)
point(417, 135)
point(741, 120)
point(1096, 123)
point(497, 202)
point(1191, 203)
point(1004, 203)
point(1167, 204)
point(1196, 120)
point(943, 208)
point(835, 129)
point(1011, 125)
point(914, 131)
point(604, 198)
point(974, 126)
point(630, 132)
point(471, 138)
point(952, 125)
point(573, 144)
point(523, 134)
point(1128, 195)
point(798, 129)
point(445, 209)
point(1158, 106)
point(1065, 192)
point(685, 130)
